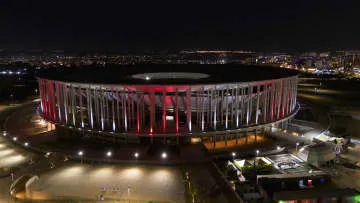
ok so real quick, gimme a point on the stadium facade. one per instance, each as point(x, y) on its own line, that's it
point(169, 101)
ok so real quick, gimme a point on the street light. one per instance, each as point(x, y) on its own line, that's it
point(257, 154)
point(233, 154)
point(47, 154)
point(4, 133)
point(297, 144)
point(14, 138)
point(278, 147)
point(81, 153)
point(109, 154)
point(164, 155)
point(136, 155)
point(26, 144)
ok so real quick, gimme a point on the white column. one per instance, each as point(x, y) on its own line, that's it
point(226, 108)
point(81, 106)
point(257, 104)
point(237, 106)
point(113, 110)
point(124, 111)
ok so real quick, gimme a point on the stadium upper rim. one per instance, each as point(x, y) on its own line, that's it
point(124, 74)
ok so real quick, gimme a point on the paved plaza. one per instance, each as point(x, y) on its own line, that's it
point(150, 183)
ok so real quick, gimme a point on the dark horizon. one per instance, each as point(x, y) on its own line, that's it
point(280, 26)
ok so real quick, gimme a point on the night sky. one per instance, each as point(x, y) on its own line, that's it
point(94, 26)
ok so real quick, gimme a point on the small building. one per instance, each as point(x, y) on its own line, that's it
point(317, 154)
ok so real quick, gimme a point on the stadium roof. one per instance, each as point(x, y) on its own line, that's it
point(165, 74)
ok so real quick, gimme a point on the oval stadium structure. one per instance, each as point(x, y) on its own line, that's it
point(151, 101)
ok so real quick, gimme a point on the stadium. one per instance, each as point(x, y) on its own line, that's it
point(180, 103)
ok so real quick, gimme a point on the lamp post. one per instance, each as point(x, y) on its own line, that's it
point(136, 155)
point(256, 155)
point(233, 155)
point(81, 153)
point(297, 144)
point(164, 155)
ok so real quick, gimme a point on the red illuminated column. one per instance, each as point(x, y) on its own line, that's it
point(284, 92)
point(188, 108)
point(279, 97)
point(164, 111)
point(266, 99)
point(176, 111)
point(49, 99)
point(152, 111)
point(272, 98)
point(53, 102)
point(138, 123)
point(46, 104)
